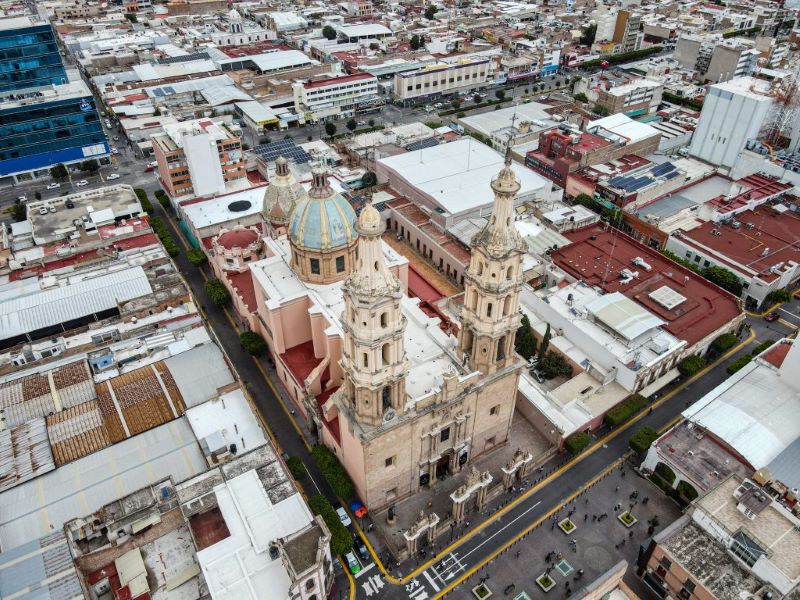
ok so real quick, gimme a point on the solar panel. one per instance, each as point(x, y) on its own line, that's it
point(673, 174)
point(169, 90)
point(158, 92)
point(419, 145)
point(639, 184)
point(617, 181)
point(662, 169)
point(285, 148)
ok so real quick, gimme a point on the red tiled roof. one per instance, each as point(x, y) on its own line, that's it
point(419, 287)
point(337, 80)
point(776, 354)
point(300, 360)
point(243, 284)
point(777, 234)
point(597, 257)
point(237, 238)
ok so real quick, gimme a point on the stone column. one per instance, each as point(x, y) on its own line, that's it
point(433, 521)
point(459, 498)
point(483, 490)
point(508, 477)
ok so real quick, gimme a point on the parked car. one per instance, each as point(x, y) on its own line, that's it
point(112, 176)
point(773, 316)
point(343, 516)
point(82, 183)
point(22, 198)
point(42, 210)
point(361, 548)
point(115, 138)
point(114, 151)
point(352, 563)
point(52, 208)
point(53, 186)
point(149, 168)
point(797, 295)
point(69, 204)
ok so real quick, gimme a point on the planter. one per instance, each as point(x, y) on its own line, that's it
point(627, 519)
point(567, 526)
point(545, 582)
point(481, 591)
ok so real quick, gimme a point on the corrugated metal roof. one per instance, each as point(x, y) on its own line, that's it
point(24, 454)
point(47, 307)
point(199, 373)
point(85, 485)
point(623, 315)
point(40, 570)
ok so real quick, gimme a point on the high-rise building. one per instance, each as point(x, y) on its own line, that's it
point(29, 55)
point(733, 112)
point(47, 116)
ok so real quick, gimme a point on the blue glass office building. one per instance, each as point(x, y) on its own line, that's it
point(29, 55)
point(45, 119)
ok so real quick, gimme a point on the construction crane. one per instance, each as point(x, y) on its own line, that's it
point(787, 108)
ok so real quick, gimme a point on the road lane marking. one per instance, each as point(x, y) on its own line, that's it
point(431, 581)
point(364, 570)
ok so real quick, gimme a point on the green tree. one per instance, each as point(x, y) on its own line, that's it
point(762, 346)
point(333, 471)
point(500, 94)
point(581, 97)
point(197, 257)
point(328, 32)
point(477, 99)
point(89, 166)
point(341, 541)
point(455, 103)
point(431, 11)
point(371, 122)
point(545, 343)
point(642, 440)
point(739, 363)
point(623, 411)
point(778, 296)
point(252, 343)
point(588, 34)
point(600, 110)
point(416, 42)
point(723, 343)
point(724, 279)
point(691, 365)
point(217, 292)
point(131, 17)
point(330, 129)
point(554, 365)
point(368, 179)
point(19, 212)
point(296, 467)
point(351, 124)
point(525, 340)
point(38, 195)
point(59, 172)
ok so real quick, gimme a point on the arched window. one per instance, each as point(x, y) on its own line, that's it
point(384, 320)
point(386, 396)
point(489, 309)
point(506, 306)
point(386, 354)
point(510, 273)
point(480, 268)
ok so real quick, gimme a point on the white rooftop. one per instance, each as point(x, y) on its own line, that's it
point(229, 415)
point(454, 175)
point(755, 411)
point(239, 567)
point(215, 211)
point(748, 87)
point(532, 112)
point(621, 126)
point(274, 61)
point(364, 30)
point(624, 90)
point(623, 315)
point(87, 484)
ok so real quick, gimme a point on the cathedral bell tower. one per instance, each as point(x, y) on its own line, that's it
point(373, 358)
point(490, 314)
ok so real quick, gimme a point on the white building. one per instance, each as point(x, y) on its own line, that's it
point(443, 78)
point(334, 96)
point(733, 112)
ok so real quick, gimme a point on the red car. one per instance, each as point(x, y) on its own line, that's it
point(773, 316)
point(797, 295)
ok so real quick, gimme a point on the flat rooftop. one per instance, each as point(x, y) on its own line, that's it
point(764, 239)
point(456, 176)
point(598, 257)
point(621, 128)
point(41, 569)
point(208, 212)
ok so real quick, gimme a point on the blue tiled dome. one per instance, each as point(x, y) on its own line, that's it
point(324, 219)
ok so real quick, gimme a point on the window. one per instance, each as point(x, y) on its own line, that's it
point(389, 461)
point(666, 563)
point(386, 397)
point(506, 305)
point(444, 434)
point(495, 410)
point(384, 320)
point(510, 273)
point(489, 309)
point(315, 266)
point(339, 264)
point(386, 354)
point(687, 590)
point(310, 585)
point(365, 359)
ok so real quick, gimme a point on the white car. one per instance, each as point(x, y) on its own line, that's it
point(82, 183)
point(53, 186)
point(112, 177)
point(42, 210)
point(114, 151)
point(22, 198)
point(343, 517)
point(153, 164)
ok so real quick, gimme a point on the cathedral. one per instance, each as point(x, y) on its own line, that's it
point(397, 399)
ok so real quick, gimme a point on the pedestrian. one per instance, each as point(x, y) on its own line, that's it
point(586, 516)
point(645, 500)
point(630, 534)
point(616, 489)
point(594, 518)
point(552, 526)
point(518, 551)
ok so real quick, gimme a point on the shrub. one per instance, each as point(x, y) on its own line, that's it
point(217, 292)
point(778, 296)
point(738, 364)
point(601, 110)
point(724, 279)
point(59, 172)
point(328, 32)
point(581, 97)
point(723, 343)
point(461, 114)
point(665, 473)
point(500, 94)
point(577, 442)
point(334, 472)
point(162, 198)
point(625, 410)
point(19, 212)
point(642, 439)
point(455, 103)
point(252, 343)
point(369, 179)
point(341, 542)
point(197, 257)
point(351, 124)
point(161, 230)
point(762, 346)
point(433, 124)
point(691, 365)
point(330, 129)
point(663, 485)
point(296, 467)
point(525, 340)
